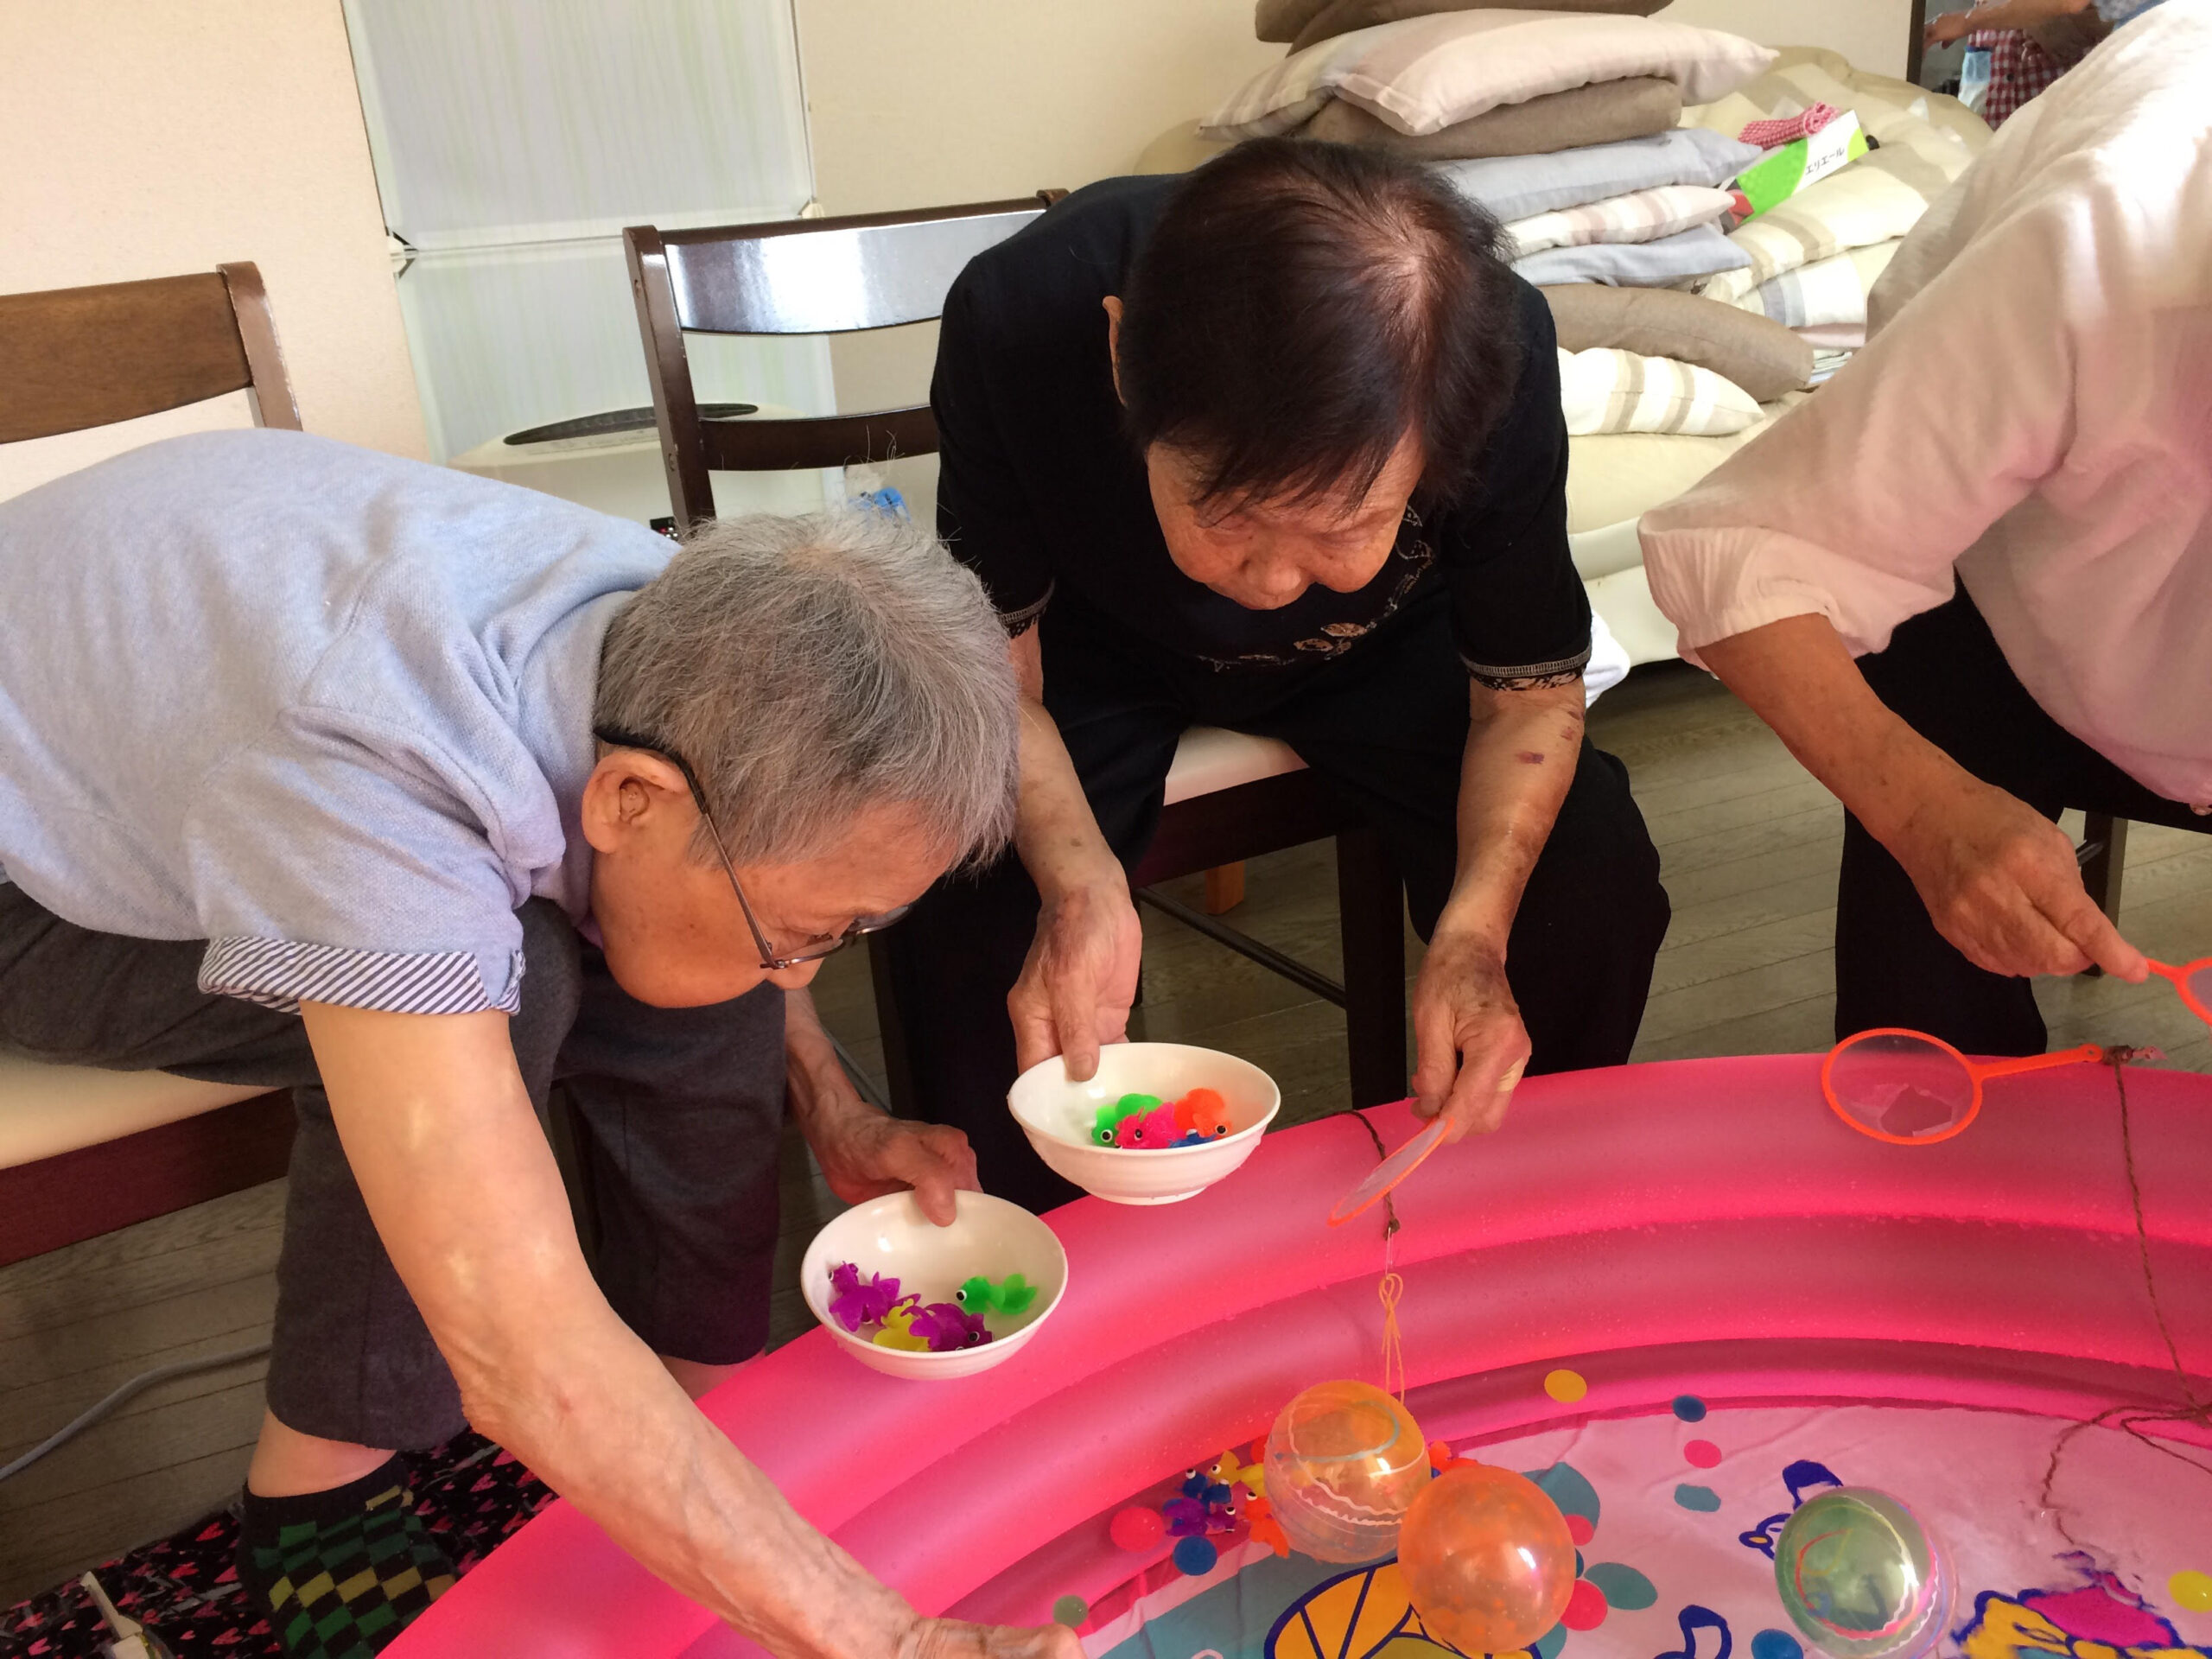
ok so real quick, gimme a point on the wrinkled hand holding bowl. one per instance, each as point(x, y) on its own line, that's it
point(892, 1237)
point(1058, 1115)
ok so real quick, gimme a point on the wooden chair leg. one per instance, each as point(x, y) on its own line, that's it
point(1370, 905)
point(2104, 859)
point(1224, 888)
point(898, 1072)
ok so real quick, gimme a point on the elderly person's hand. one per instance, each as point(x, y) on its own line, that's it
point(1951, 26)
point(1080, 979)
point(944, 1638)
point(865, 1153)
point(1468, 1034)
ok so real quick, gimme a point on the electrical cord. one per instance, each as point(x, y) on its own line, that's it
point(136, 1385)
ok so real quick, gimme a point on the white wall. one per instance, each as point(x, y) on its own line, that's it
point(149, 138)
point(1873, 34)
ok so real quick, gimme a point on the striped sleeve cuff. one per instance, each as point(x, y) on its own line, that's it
point(280, 974)
point(1528, 677)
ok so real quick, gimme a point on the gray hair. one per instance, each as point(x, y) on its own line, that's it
point(807, 668)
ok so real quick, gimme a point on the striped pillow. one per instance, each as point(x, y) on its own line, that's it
point(1640, 216)
point(1830, 290)
point(1425, 73)
point(1877, 199)
point(1605, 389)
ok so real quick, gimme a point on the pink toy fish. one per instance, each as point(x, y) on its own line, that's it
point(855, 1303)
point(1156, 1128)
point(947, 1327)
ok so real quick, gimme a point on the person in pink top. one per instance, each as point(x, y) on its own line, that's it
point(2003, 508)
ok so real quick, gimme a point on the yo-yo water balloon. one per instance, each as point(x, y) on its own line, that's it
point(1860, 1576)
point(1345, 1460)
point(1487, 1559)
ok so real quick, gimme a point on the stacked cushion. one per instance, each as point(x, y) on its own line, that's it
point(1605, 389)
point(1517, 186)
point(1598, 114)
point(1699, 255)
point(1827, 293)
point(1640, 216)
point(1761, 356)
point(1304, 21)
point(1426, 73)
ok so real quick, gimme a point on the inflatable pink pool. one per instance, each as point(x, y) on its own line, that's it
point(1753, 1301)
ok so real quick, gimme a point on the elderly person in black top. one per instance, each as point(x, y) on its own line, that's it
point(1278, 447)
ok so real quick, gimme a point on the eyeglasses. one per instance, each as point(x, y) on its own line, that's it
point(823, 945)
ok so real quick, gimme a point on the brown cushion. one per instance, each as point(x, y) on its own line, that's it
point(1611, 110)
point(1280, 20)
point(1757, 352)
point(1334, 17)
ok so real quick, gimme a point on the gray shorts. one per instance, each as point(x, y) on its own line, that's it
point(678, 1110)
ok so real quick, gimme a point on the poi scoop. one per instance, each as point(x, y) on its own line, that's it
point(1388, 1173)
point(1912, 1089)
point(2193, 980)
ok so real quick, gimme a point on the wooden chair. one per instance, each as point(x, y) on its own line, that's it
point(1229, 796)
point(85, 1151)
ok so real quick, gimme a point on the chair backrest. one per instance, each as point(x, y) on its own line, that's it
point(799, 277)
point(73, 357)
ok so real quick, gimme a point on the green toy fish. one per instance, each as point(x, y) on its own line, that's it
point(1110, 1117)
point(1012, 1294)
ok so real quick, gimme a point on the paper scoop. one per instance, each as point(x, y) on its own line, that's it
point(1388, 1173)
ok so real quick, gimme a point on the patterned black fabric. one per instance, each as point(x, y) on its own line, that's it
point(468, 1496)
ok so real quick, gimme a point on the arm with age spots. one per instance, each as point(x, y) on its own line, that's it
point(2000, 879)
point(1521, 750)
point(457, 1177)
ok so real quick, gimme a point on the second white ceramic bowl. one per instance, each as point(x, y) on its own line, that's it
point(1058, 1115)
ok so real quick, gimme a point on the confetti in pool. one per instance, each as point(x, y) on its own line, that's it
point(1071, 1610)
point(1585, 1607)
point(2192, 1590)
point(1579, 1528)
point(1565, 1387)
point(1702, 1454)
point(1777, 1645)
point(1703, 1499)
point(1689, 1407)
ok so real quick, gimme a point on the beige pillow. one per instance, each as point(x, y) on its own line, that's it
point(1759, 355)
point(1616, 475)
point(1342, 16)
point(1425, 73)
point(1604, 114)
point(1606, 390)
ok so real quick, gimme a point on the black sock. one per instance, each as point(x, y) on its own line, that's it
point(340, 1573)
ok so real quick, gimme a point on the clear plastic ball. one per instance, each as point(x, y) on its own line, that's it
point(1487, 1559)
point(1860, 1576)
point(1345, 1461)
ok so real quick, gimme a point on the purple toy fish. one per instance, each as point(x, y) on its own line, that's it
point(1204, 1507)
point(1156, 1128)
point(947, 1327)
point(855, 1304)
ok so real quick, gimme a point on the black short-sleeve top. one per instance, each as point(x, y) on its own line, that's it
point(1039, 490)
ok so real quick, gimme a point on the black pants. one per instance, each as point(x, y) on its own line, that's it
point(681, 1110)
point(1946, 677)
point(1386, 724)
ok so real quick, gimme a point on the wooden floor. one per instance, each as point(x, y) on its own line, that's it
point(1749, 845)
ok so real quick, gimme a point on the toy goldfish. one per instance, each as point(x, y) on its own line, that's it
point(1204, 1113)
point(1110, 1118)
point(1230, 1470)
point(856, 1303)
point(1266, 1529)
point(1012, 1294)
point(1151, 1132)
point(898, 1328)
point(947, 1329)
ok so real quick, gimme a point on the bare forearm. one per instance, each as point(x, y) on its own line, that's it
point(1520, 759)
point(457, 1176)
point(1798, 677)
point(2022, 14)
point(1055, 834)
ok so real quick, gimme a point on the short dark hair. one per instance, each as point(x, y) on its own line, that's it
point(1301, 307)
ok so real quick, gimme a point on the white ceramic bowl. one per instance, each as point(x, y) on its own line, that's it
point(1058, 1117)
point(892, 1237)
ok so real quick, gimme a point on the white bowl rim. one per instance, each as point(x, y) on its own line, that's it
point(1153, 1154)
point(924, 1356)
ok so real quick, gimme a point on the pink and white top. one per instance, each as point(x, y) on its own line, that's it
point(2034, 407)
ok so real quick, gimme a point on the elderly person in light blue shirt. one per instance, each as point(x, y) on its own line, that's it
point(421, 794)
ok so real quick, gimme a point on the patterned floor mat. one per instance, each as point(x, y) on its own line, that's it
point(469, 1493)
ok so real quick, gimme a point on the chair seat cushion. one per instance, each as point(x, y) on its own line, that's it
point(48, 1109)
point(1209, 759)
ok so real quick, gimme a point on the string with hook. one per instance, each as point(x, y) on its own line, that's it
point(2133, 1420)
point(1390, 1288)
